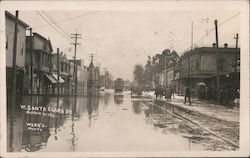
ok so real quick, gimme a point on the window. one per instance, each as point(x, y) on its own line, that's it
point(197, 65)
point(61, 67)
point(221, 62)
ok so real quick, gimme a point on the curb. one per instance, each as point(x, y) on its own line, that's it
point(190, 110)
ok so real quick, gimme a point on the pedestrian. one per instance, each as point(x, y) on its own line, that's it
point(156, 92)
point(173, 91)
point(206, 93)
point(227, 96)
point(170, 93)
point(187, 95)
point(221, 96)
point(166, 93)
point(161, 91)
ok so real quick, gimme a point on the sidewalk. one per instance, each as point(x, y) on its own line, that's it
point(204, 108)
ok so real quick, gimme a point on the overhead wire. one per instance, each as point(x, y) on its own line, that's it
point(53, 21)
point(208, 32)
point(56, 29)
point(65, 34)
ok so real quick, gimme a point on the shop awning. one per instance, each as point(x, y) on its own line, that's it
point(49, 77)
point(61, 80)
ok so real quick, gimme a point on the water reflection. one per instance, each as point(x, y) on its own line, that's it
point(118, 99)
point(136, 107)
point(96, 120)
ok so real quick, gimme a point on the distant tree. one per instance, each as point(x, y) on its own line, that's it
point(167, 58)
point(139, 74)
point(148, 75)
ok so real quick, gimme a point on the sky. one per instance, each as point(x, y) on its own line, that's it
point(121, 39)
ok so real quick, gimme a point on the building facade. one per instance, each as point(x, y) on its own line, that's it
point(93, 79)
point(199, 66)
point(42, 58)
point(20, 52)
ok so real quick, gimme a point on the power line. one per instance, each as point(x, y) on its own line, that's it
point(51, 24)
point(65, 35)
point(53, 21)
point(207, 33)
point(66, 19)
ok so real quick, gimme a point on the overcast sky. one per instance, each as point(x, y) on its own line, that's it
point(121, 39)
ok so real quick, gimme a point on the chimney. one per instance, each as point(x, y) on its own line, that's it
point(225, 45)
point(214, 45)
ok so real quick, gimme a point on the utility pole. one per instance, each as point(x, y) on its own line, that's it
point(13, 86)
point(75, 36)
point(192, 35)
point(31, 62)
point(58, 71)
point(14, 64)
point(153, 76)
point(235, 63)
point(217, 54)
point(165, 67)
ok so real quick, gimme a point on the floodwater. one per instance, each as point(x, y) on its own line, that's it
point(105, 122)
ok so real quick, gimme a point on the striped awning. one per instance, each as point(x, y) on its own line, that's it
point(50, 78)
point(55, 76)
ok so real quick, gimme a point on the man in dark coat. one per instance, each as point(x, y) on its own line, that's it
point(187, 92)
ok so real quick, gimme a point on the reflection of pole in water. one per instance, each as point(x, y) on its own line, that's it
point(12, 113)
point(73, 124)
point(90, 109)
point(57, 105)
point(189, 144)
point(164, 113)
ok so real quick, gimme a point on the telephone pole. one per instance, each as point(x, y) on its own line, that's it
point(192, 35)
point(235, 63)
point(75, 36)
point(217, 54)
point(58, 72)
point(31, 62)
point(14, 64)
point(165, 67)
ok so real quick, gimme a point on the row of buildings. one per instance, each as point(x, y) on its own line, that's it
point(42, 70)
point(197, 67)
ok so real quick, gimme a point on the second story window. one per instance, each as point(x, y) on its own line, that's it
point(220, 65)
point(61, 67)
point(197, 65)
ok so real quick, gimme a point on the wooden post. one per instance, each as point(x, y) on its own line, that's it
point(13, 90)
point(75, 79)
point(235, 64)
point(217, 54)
point(58, 73)
point(31, 62)
point(13, 95)
point(165, 68)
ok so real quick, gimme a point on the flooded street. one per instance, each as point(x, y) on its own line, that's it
point(100, 123)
